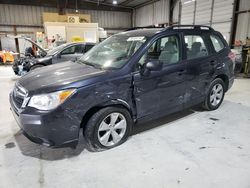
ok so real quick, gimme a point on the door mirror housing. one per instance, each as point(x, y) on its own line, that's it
point(151, 65)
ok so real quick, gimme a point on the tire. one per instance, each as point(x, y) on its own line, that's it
point(36, 67)
point(100, 129)
point(215, 94)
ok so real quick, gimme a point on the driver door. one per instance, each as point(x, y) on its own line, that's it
point(161, 92)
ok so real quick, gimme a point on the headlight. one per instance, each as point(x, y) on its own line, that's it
point(51, 100)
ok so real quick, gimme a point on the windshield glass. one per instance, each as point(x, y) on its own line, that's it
point(113, 52)
point(56, 49)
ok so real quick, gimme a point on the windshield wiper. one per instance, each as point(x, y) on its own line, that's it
point(91, 64)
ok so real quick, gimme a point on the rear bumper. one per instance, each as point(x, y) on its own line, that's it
point(51, 129)
point(231, 81)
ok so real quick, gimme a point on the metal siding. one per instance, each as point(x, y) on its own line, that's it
point(223, 10)
point(29, 29)
point(187, 13)
point(176, 12)
point(135, 3)
point(22, 15)
point(224, 29)
point(108, 19)
point(161, 12)
point(244, 5)
point(155, 13)
point(144, 16)
point(243, 26)
point(7, 29)
point(32, 15)
point(203, 12)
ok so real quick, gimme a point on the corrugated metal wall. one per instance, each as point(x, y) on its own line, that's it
point(32, 16)
point(22, 15)
point(155, 13)
point(187, 12)
point(216, 13)
point(243, 23)
point(108, 19)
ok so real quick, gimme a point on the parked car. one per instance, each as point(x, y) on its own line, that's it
point(64, 52)
point(130, 77)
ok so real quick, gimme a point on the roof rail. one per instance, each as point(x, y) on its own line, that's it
point(147, 27)
point(190, 26)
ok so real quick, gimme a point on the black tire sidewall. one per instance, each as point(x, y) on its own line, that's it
point(91, 130)
point(208, 104)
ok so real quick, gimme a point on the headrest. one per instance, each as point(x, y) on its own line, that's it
point(196, 46)
point(170, 47)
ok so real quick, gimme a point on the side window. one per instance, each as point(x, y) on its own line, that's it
point(217, 43)
point(88, 47)
point(166, 50)
point(72, 50)
point(195, 46)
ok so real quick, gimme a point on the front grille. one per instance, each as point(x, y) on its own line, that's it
point(18, 95)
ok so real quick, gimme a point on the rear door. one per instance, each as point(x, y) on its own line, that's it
point(200, 66)
point(162, 91)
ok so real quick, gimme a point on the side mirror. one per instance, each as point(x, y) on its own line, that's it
point(151, 65)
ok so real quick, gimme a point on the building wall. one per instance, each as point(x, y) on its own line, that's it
point(154, 13)
point(243, 22)
point(32, 16)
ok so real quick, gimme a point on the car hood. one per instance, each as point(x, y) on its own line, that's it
point(44, 59)
point(35, 44)
point(59, 76)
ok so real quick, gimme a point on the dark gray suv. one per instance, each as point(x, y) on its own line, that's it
point(130, 77)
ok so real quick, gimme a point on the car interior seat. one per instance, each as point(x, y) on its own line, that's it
point(195, 50)
point(169, 53)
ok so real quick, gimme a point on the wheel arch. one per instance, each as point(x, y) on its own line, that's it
point(225, 80)
point(114, 103)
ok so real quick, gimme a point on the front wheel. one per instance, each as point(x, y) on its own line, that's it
point(108, 128)
point(215, 94)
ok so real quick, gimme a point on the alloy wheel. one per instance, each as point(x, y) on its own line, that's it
point(112, 129)
point(216, 94)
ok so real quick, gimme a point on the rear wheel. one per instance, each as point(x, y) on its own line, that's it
point(215, 94)
point(36, 67)
point(108, 128)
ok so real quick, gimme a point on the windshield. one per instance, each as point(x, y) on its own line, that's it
point(56, 49)
point(113, 52)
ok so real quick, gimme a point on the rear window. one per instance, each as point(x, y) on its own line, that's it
point(217, 43)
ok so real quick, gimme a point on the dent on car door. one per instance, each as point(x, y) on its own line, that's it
point(200, 67)
point(161, 91)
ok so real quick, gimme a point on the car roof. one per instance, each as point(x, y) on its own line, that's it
point(72, 43)
point(142, 32)
point(148, 32)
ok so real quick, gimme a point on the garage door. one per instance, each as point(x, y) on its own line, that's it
point(216, 13)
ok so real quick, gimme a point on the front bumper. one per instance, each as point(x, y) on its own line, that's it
point(15, 68)
point(58, 128)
